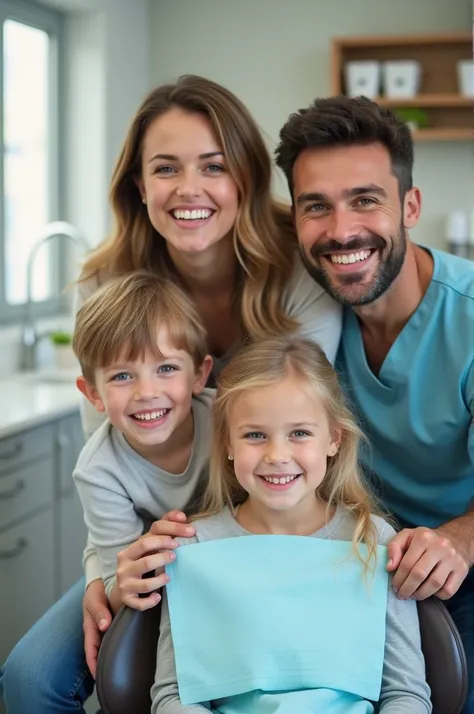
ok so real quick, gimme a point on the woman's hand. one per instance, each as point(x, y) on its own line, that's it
point(151, 552)
point(96, 620)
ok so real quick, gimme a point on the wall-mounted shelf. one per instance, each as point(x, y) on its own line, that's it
point(449, 114)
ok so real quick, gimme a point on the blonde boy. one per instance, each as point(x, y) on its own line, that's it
point(144, 362)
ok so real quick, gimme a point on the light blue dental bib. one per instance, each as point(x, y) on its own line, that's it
point(288, 624)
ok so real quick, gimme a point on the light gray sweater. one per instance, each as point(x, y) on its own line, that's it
point(404, 688)
point(122, 493)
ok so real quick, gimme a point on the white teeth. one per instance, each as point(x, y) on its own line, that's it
point(350, 257)
point(192, 215)
point(281, 480)
point(151, 415)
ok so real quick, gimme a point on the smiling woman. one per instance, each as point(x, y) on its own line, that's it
point(191, 195)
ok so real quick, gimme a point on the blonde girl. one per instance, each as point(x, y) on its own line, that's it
point(284, 461)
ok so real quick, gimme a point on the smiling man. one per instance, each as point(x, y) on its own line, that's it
point(407, 351)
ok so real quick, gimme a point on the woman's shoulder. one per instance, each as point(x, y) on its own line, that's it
point(302, 288)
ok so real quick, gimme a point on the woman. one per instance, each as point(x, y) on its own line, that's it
point(191, 197)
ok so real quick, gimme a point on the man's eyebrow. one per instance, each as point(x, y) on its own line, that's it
point(347, 193)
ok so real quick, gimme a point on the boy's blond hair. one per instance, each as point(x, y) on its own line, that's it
point(268, 362)
point(121, 320)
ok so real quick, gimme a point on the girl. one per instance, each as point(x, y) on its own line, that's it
point(284, 462)
point(191, 198)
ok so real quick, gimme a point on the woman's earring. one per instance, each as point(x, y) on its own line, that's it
point(230, 457)
point(143, 199)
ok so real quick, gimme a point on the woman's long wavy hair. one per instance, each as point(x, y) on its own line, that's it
point(268, 362)
point(264, 238)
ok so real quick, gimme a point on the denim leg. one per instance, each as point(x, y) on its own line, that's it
point(46, 672)
point(461, 608)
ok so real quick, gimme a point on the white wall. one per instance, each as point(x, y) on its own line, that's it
point(107, 75)
point(276, 57)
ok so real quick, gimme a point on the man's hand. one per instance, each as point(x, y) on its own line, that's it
point(96, 619)
point(151, 552)
point(427, 562)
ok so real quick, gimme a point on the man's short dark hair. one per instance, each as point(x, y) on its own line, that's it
point(347, 121)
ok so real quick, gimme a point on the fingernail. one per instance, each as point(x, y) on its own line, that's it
point(395, 590)
point(102, 623)
point(172, 556)
point(390, 562)
point(189, 531)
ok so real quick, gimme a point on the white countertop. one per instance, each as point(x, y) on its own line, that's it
point(30, 399)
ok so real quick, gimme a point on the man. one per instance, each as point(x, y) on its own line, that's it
point(407, 351)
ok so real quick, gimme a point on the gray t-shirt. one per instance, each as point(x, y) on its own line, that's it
point(404, 687)
point(122, 493)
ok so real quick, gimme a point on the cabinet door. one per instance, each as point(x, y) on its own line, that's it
point(72, 531)
point(26, 576)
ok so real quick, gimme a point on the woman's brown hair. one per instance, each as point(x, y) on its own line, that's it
point(264, 239)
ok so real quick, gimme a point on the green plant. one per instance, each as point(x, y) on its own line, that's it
point(60, 337)
point(413, 114)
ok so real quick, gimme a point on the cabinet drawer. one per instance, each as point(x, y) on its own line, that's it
point(69, 440)
point(27, 577)
point(24, 447)
point(26, 490)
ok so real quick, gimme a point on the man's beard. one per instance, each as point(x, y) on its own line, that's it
point(388, 268)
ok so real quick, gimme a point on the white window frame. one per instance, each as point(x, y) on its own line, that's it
point(51, 22)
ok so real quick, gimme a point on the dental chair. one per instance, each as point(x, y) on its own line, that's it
point(127, 660)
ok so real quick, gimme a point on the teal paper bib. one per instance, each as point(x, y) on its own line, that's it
point(274, 618)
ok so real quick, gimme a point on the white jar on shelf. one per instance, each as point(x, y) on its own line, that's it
point(362, 78)
point(465, 72)
point(401, 78)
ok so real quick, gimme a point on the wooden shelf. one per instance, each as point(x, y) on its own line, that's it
point(427, 100)
point(449, 114)
point(444, 134)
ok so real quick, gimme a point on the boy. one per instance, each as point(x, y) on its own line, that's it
point(142, 351)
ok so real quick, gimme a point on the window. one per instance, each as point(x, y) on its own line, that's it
point(29, 152)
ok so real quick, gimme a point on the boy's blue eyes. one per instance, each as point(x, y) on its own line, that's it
point(162, 369)
point(122, 377)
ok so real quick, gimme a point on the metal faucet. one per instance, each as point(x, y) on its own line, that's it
point(29, 336)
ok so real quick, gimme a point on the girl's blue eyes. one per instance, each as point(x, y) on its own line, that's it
point(259, 436)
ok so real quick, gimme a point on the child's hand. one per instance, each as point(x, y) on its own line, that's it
point(96, 619)
point(149, 553)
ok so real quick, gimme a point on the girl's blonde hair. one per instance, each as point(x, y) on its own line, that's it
point(264, 239)
point(268, 362)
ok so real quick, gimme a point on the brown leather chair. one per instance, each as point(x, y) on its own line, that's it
point(127, 659)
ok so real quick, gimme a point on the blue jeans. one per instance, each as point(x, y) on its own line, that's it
point(461, 609)
point(46, 673)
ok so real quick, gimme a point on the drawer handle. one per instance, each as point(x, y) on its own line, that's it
point(16, 451)
point(17, 488)
point(21, 546)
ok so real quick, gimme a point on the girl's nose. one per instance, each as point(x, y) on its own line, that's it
point(277, 453)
